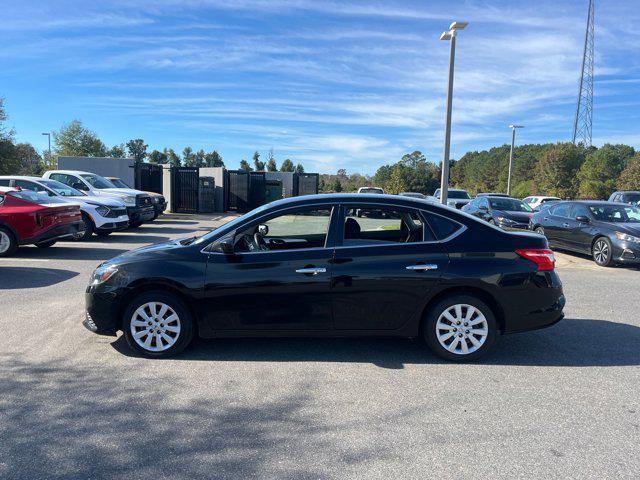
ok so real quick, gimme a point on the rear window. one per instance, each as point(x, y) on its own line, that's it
point(457, 194)
point(442, 227)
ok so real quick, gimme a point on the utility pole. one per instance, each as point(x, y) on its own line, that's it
point(583, 123)
point(513, 142)
point(449, 35)
point(49, 138)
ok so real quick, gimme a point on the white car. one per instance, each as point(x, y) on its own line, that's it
point(535, 201)
point(375, 190)
point(139, 204)
point(101, 215)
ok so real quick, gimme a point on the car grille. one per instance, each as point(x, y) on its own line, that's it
point(116, 212)
point(143, 200)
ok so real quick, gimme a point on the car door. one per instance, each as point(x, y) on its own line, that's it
point(582, 233)
point(557, 224)
point(274, 289)
point(384, 267)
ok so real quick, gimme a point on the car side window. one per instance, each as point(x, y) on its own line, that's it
point(372, 225)
point(561, 210)
point(442, 227)
point(580, 210)
point(26, 185)
point(4, 182)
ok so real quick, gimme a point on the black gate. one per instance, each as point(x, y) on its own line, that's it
point(257, 189)
point(305, 184)
point(148, 177)
point(184, 189)
point(207, 195)
point(237, 190)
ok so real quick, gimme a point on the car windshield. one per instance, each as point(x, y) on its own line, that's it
point(97, 181)
point(509, 205)
point(458, 194)
point(34, 197)
point(61, 188)
point(371, 190)
point(615, 213)
point(119, 183)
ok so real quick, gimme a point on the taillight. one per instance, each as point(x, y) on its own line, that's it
point(542, 257)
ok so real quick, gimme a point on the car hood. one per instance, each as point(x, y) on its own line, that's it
point(123, 191)
point(96, 201)
point(520, 217)
point(149, 252)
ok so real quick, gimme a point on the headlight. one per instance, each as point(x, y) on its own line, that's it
point(130, 200)
point(155, 199)
point(505, 220)
point(102, 274)
point(627, 238)
point(102, 211)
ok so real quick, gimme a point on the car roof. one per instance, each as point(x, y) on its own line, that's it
point(603, 203)
point(73, 172)
point(353, 198)
point(626, 191)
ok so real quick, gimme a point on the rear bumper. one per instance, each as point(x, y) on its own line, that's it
point(140, 214)
point(54, 233)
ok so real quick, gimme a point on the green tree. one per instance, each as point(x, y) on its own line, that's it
point(271, 162)
point(200, 158)
point(173, 158)
point(9, 164)
point(188, 157)
point(287, 166)
point(599, 173)
point(337, 186)
point(213, 159)
point(412, 160)
point(117, 151)
point(299, 168)
point(244, 165)
point(630, 177)
point(556, 172)
point(398, 180)
point(137, 149)
point(74, 140)
point(259, 165)
point(158, 157)
point(28, 159)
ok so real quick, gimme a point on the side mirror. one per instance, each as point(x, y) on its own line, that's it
point(223, 246)
point(483, 208)
point(263, 230)
point(582, 219)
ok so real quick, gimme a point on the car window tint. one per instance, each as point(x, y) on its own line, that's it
point(580, 210)
point(312, 222)
point(561, 210)
point(371, 225)
point(31, 186)
point(442, 227)
point(4, 182)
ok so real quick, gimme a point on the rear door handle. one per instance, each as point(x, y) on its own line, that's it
point(311, 270)
point(422, 267)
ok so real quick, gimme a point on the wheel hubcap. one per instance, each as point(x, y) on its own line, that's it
point(452, 338)
point(601, 251)
point(4, 242)
point(155, 326)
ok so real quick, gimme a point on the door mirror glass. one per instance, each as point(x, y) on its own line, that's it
point(223, 246)
point(582, 219)
point(263, 230)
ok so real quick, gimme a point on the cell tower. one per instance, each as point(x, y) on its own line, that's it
point(584, 110)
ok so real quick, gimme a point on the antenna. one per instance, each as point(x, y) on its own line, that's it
point(583, 123)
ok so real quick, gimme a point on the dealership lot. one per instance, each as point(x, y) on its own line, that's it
point(560, 402)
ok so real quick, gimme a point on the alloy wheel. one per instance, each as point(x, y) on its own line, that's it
point(462, 329)
point(540, 231)
point(5, 242)
point(601, 252)
point(155, 326)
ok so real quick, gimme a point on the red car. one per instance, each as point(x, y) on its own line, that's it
point(29, 218)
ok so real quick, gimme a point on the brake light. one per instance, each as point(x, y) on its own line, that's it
point(542, 257)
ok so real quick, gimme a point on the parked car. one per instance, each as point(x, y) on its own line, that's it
point(507, 213)
point(413, 195)
point(310, 266)
point(455, 197)
point(139, 205)
point(609, 232)
point(100, 215)
point(159, 202)
point(631, 197)
point(545, 205)
point(376, 190)
point(27, 218)
point(536, 201)
point(493, 195)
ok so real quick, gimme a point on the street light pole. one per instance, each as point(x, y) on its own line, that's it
point(49, 138)
point(513, 142)
point(449, 35)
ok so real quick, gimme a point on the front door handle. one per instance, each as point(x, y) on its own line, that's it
point(311, 270)
point(422, 267)
point(565, 225)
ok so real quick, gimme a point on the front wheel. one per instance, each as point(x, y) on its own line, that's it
point(539, 231)
point(157, 324)
point(602, 252)
point(46, 244)
point(460, 328)
point(8, 243)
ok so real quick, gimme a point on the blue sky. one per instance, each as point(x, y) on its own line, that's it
point(331, 84)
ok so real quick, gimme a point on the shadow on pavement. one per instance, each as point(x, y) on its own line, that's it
point(13, 278)
point(570, 343)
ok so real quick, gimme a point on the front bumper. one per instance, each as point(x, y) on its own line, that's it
point(101, 312)
point(140, 214)
point(56, 232)
point(159, 208)
point(117, 223)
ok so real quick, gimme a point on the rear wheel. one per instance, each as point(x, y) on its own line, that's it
point(157, 324)
point(8, 242)
point(460, 328)
point(46, 244)
point(602, 252)
point(89, 227)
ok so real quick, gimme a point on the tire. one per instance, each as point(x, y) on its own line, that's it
point(539, 230)
point(89, 227)
point(8, 242)
point(139, 311)
point(602, 252)
point(46, 244)
point(102, 233)
point(436, 327)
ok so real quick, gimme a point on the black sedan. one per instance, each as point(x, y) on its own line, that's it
point(609, 232)
point(507, 213)
point(310, 266)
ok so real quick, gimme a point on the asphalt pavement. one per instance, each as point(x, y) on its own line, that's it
point(556, 403)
